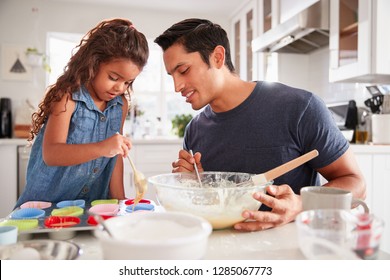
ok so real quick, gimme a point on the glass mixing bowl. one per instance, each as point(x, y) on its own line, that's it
point(219, 200)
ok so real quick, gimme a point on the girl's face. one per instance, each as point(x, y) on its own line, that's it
point(112, 79)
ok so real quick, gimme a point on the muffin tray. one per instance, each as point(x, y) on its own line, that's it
point(62, 220)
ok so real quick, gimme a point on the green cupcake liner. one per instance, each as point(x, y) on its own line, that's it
point(104, 201)
point(68, 211)
point(22, 225)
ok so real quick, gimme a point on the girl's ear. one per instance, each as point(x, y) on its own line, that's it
point(218, 57)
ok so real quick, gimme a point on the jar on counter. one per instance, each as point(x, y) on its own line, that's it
point(23, 120)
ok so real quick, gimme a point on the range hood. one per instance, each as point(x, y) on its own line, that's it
point(305, 32)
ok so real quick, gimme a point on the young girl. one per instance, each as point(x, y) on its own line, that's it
point(79, 123)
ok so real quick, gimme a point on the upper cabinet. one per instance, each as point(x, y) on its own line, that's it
point(244, 28)
point(296, 26)
point(359, 41)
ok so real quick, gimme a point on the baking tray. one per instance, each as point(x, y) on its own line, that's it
point(64, 233)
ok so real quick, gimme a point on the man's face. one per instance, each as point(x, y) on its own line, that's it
point(193, 78)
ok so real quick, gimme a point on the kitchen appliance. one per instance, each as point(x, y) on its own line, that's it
point(345, 114)
point(5, 118)
point(303, 33)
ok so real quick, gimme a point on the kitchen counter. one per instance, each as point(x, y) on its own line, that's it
point(371, 148)
point(13, 141)
point(156, 140)
point(279, 243)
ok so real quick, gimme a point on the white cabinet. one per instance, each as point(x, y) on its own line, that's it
point(9, 174)
point(244, 30)
point(374, 162)
point(359, 41)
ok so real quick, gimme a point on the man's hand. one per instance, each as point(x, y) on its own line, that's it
point(285, 204)
point(185, 162)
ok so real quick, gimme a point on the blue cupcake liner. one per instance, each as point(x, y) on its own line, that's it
point(27, 213)
point(67, 203)
point(140, 207)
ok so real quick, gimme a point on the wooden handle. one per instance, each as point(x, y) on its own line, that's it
point(288, 166)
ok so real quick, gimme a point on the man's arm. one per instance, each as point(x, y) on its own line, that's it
point(344, 173)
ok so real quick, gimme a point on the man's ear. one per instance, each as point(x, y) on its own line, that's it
point(218, 56)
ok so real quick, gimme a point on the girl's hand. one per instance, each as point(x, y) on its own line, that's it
point(116, 144)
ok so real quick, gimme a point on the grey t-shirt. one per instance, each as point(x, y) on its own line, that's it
point(275, 124)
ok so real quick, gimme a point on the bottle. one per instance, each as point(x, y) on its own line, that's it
point(159, 128)
point(5, 118)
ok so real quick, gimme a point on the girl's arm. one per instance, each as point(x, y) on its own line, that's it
point(117, 189)
point(55, 150)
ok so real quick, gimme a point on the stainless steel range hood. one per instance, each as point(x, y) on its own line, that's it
point(305, 32)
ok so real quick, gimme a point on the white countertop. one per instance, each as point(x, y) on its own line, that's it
point(13, 141)
point(369, 148)
point(279, 243)
point(158, 140)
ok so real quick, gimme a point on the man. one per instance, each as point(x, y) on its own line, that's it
point(252, 126)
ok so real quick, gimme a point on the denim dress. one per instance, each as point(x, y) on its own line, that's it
point(89, 180)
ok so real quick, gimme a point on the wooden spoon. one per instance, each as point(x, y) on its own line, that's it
point(140, 182)
point(282, 169)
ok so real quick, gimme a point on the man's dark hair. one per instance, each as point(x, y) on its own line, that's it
point(197, 35)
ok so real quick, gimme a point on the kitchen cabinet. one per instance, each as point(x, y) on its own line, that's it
point(244, 29)
point(358, 44)
point(297, 27)
point(374, 161)
point(8, 174)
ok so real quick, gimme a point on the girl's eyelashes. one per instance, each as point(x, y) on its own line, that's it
point(113, 78)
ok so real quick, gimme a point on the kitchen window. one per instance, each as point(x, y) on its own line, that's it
point(153, 97)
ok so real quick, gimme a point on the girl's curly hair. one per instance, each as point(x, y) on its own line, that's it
point(110, 39)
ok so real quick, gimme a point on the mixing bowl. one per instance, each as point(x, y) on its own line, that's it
point(220, 201)
point(41, 249)
point(155, 235)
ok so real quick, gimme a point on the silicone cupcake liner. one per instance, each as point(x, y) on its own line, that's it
point(91, 220)
point(36, 204)
point(67, 203)
point(140, 207)
point(105, 209)
point(131, 201)
point(27, 213)
point(104, 201)
point(22, 225)
point(68, 211)
point(61, 221)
